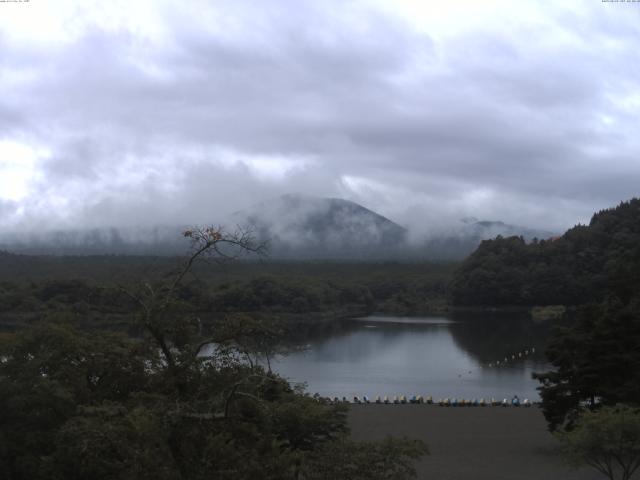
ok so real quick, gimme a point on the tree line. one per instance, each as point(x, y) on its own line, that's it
point(300, 292)
point(173, 402)
point(585, 264)
point(595, 268)
point(591, 396)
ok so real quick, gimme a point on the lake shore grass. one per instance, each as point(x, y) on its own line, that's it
point(475, 443)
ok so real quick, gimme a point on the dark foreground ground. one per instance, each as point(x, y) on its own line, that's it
point(491, 443)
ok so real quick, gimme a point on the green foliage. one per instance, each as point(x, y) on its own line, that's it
point(256, 338)
point(400, 293)
point(47, 373)
point(109, 441)
point(596, 361)
point(301, 293)
point(607, 439)
point(584, 265)
point(172, 402)
point(97, 405)
point(548, 312)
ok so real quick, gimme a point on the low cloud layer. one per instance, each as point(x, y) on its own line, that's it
point(181, 112)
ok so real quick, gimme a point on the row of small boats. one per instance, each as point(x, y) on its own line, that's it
point(443, 402)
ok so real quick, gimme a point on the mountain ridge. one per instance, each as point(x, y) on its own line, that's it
point(295, 226)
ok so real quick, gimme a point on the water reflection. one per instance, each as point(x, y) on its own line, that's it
point(489, 337)
point(438, 356)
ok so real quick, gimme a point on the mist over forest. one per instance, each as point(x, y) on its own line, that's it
point(291, 240)
point(298, 227)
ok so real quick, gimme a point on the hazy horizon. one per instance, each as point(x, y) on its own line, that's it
point(166, 113)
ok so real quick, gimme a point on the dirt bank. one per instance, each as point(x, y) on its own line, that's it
point(473, 443)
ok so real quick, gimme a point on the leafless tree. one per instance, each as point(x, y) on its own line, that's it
point(211, 242)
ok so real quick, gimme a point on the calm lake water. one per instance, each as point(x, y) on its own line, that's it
point(443, 356)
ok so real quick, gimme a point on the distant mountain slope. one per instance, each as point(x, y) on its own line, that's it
point(460, 241)
point(299, 226)
point(486, 230)
point(295, 227)
point(159, 240)
point(583, 265)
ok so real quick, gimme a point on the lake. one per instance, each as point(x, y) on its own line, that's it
point(441, 356)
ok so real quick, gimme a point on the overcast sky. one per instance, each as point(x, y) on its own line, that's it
point(143, 112)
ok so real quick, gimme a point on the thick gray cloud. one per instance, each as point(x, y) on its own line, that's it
point(193, 114)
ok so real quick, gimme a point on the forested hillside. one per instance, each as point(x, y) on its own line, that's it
point(595, 357)
point(176, 399)
point(584, 265)
point(88, 288)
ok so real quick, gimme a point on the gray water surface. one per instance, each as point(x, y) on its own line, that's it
point(438, 356)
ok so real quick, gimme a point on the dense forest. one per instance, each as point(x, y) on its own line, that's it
point(174, 400)
point(596, 361)
point(584, 265)
point(302, 293)
point(103, 373)
point(595, 269)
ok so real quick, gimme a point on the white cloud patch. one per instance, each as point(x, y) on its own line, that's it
point(117, 113)
point(18, 169)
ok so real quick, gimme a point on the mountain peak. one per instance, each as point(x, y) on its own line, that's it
point(322, 227)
